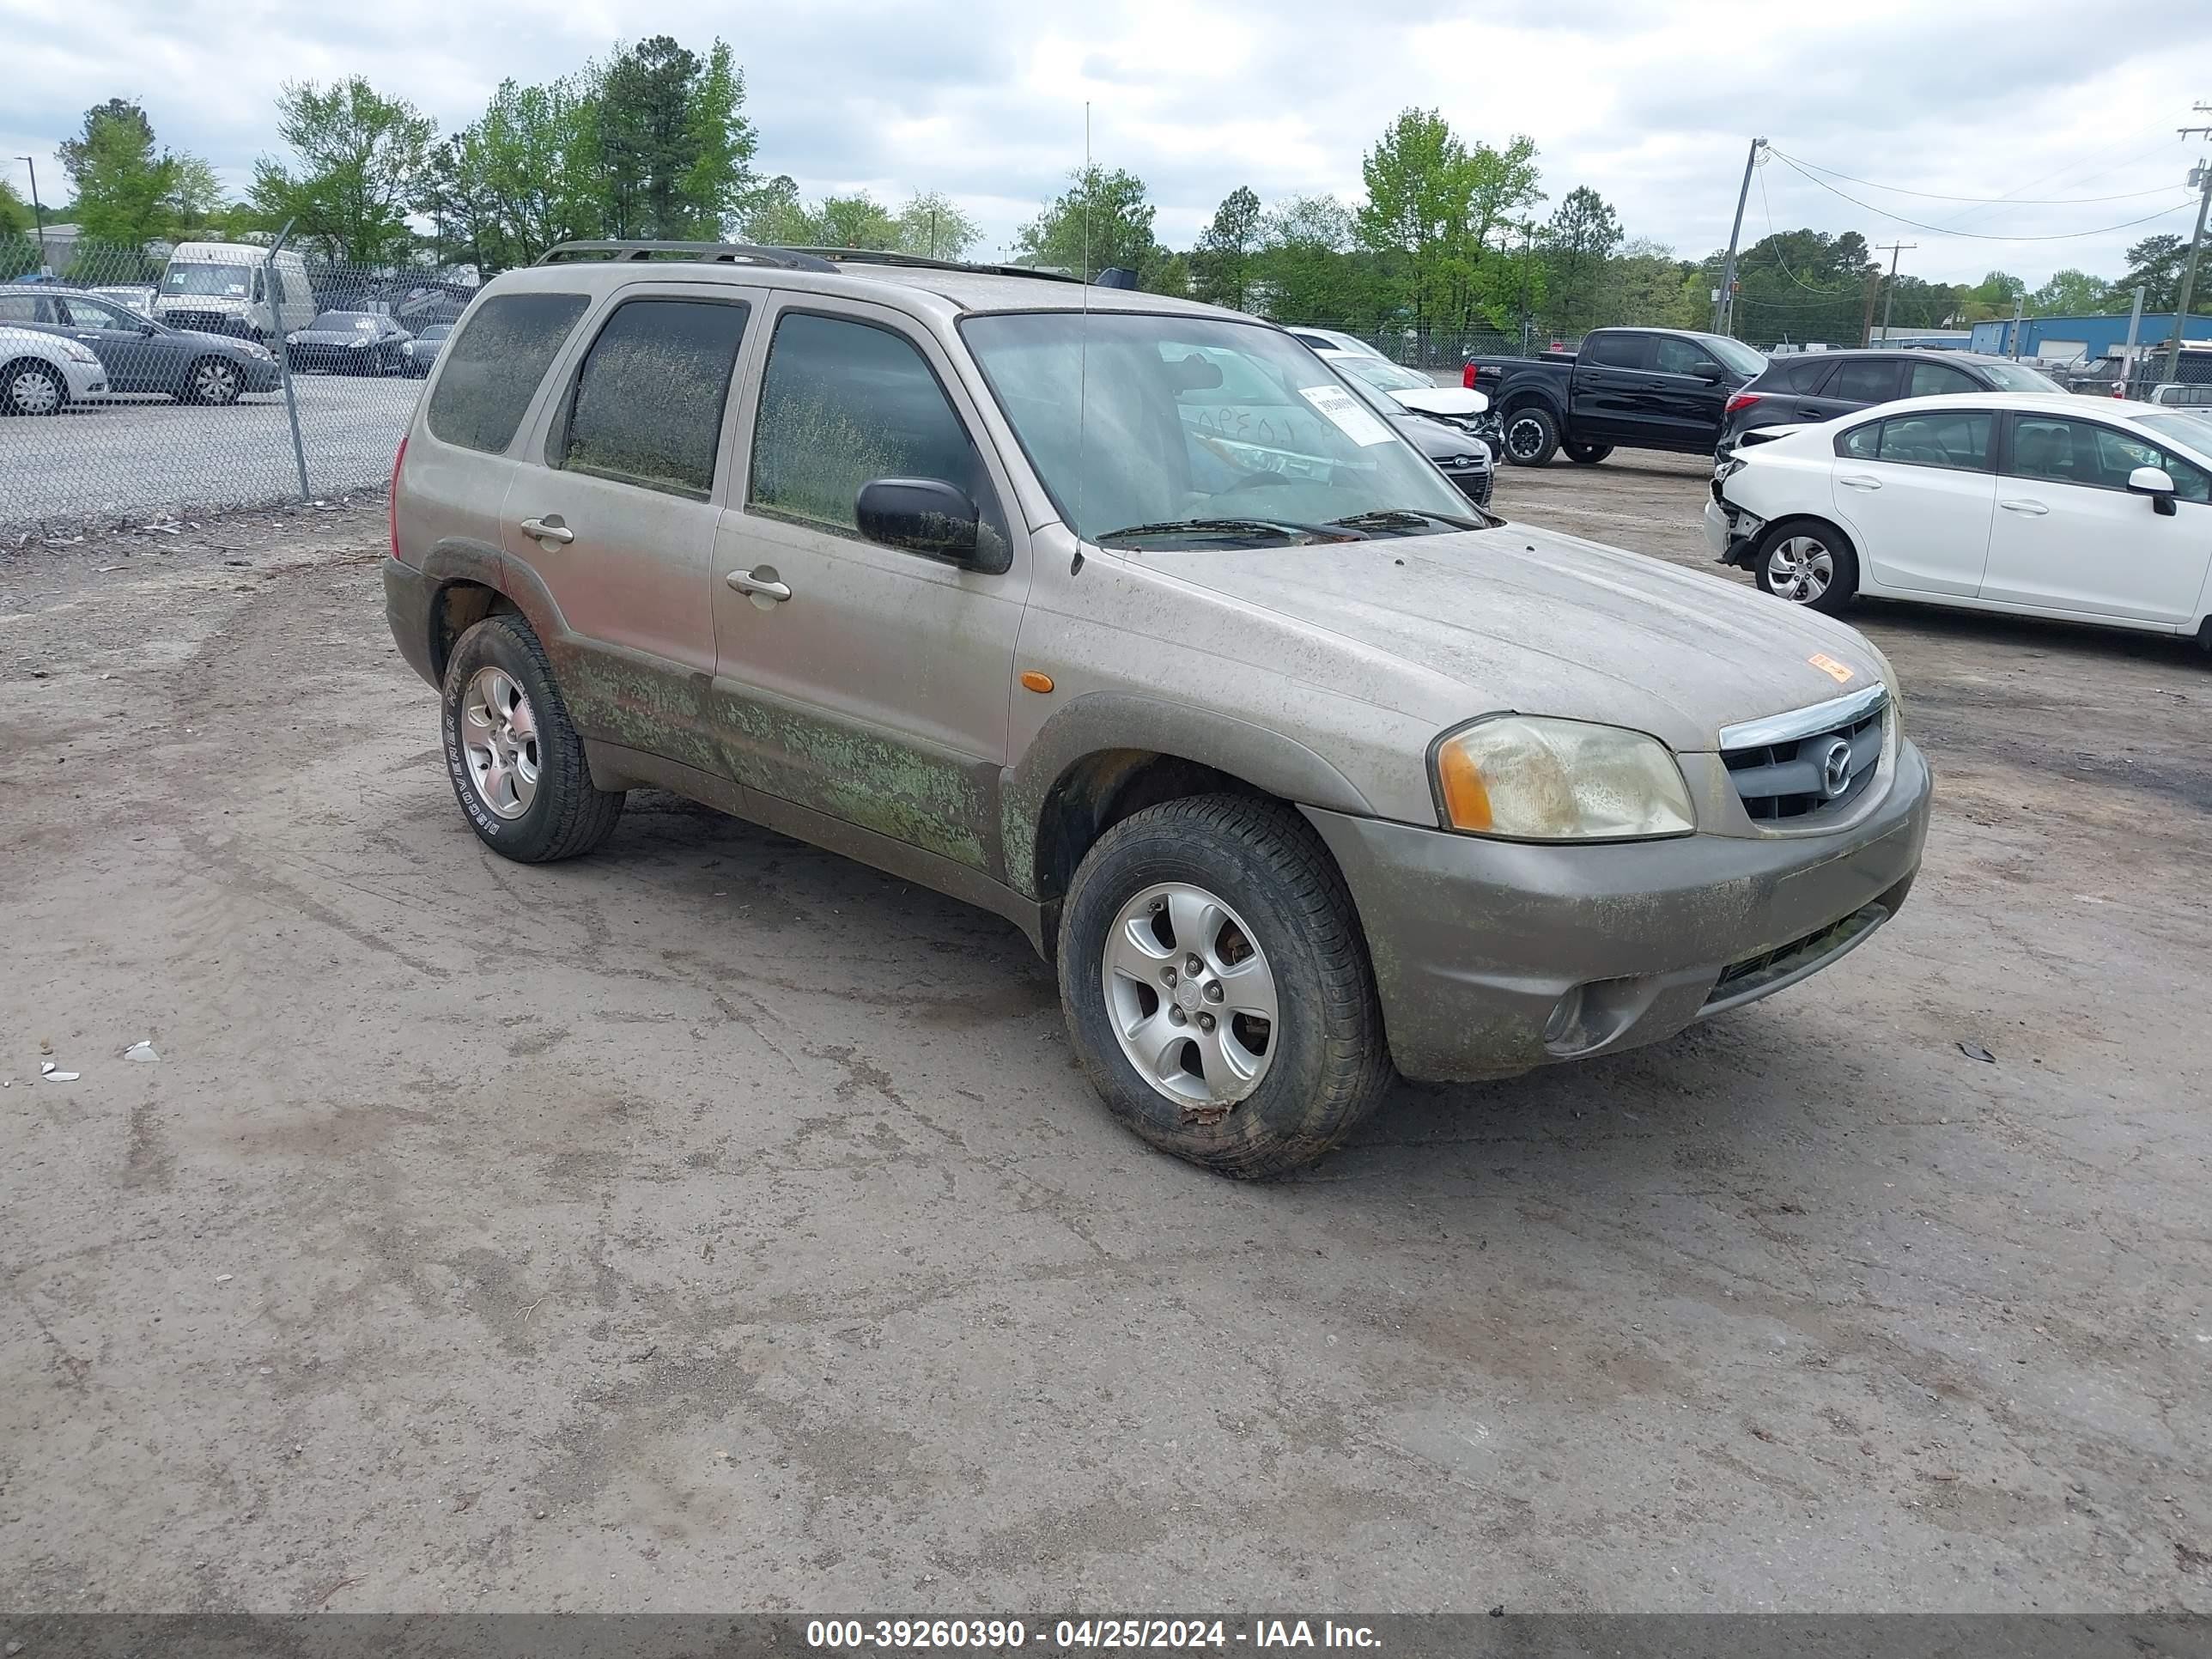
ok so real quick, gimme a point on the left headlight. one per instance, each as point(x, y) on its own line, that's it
point(1528, 778)
point(254, 348)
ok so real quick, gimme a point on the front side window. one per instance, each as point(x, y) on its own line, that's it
point(844, 403)
point(1937, 380)
point(88, 314)
point(647, 405)
point(489, 371)
point(1613, 350)
point(1675, 357)
point(1865, 380)
point(1198, 429)
point(2011, 377)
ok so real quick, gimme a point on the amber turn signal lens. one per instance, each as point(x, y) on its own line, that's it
point(1466, 802)
point(1034, 681)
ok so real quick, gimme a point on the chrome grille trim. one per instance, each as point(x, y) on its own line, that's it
point(1805, 722)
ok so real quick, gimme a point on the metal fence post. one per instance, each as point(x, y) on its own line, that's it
point(273, 289)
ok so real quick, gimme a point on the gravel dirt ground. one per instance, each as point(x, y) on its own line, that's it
point(714, 1224)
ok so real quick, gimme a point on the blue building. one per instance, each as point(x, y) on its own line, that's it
point(2096, 337)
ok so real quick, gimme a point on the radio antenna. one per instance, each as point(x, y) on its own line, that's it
point(1083, 347)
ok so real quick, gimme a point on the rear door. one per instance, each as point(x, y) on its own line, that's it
point(874, 690)
point(2070, 536)
point(1861, 382)
point(1612, 388)
point(615, 506)
point(1915, 492)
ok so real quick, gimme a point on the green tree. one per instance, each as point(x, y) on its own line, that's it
point(1222, 264)
point(1993, 296)
point(774, 216)
point(1577, 245)
point(2071, 293)
point(1170, 275)
point(1434, 207)
point(1643, 285)
point(128, 190)
point(520, 178)
point(676, 149)
point(1307, 268)
point(935, 226)
point(852, 222)
point(1102, 215)
point(1799, 285)
point(14, 211)
point(2155, 265)
point(361, 159)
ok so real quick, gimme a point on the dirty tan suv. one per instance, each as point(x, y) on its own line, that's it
point(1128, 619)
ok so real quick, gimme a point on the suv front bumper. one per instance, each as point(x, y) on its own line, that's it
point(1492, 958)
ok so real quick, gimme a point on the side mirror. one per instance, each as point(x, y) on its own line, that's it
point(1711, 374)
point(921, 515)
point(2155, 483)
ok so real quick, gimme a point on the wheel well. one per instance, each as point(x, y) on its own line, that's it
point(1828, 527)
point(1099, 790)
point(1528, 400)
point(459, 606)
point(61, 379)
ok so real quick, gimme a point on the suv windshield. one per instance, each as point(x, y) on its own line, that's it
point(2011, 377)
point(229, 281)
point(1198, 421)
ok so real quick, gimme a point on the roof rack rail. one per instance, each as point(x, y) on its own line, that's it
point(720, 254)
point(872, 256)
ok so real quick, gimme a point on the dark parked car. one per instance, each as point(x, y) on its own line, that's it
point(1458, 451)
point(139, 353)
point(1625, 388)
point(1819, 385)
point(419, 355)
point(350, 342)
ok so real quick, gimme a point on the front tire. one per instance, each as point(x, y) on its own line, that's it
point(214, 381)
point(1588, 454)
point(515, 762)
point(33, 387)
point(1808, 562)
point(1269, 1051)
point(1532, 436)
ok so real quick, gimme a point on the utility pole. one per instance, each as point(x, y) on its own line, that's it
point(2128, 368)
point(1725, 307)
point(1889, 298)
point(39, 213)
point(2201, 178)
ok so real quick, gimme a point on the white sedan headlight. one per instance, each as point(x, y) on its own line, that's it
point(254, 348)
point(77, 353)
point(1527, 778)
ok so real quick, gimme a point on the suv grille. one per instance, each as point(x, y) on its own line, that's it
point(1803, 765)
point(203, 322)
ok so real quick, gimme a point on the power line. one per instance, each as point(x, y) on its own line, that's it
point(1977, 235)
point(1775, 248)
point(1983, 201)
point(2077, 167)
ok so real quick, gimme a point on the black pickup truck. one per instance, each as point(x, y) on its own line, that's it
point(1625, 388)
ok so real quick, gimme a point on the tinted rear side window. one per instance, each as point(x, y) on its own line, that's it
point(1618, 351)
point(1866, 380)
point(491, 369)
point(1802, 377)
point(647, 407)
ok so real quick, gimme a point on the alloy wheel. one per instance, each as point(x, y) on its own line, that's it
point(1800, 569)
point(1190, 996)
point(1525, 438)
point(499, 735)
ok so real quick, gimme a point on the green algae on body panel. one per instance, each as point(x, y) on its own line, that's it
point(938, 801)
point(623, 697)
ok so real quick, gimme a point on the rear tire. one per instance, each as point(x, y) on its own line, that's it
point(515, 762)
point(1808, 562)
point(1239, 885)
point(1532, 436)
point(33, 387)
point(1588, 454)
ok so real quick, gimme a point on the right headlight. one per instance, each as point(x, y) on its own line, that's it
point(1527, 778)
point(77, 353)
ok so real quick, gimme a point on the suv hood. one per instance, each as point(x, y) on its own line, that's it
point(1542, 623)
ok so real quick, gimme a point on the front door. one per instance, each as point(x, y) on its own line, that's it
point(615, 508)
point(1915, 492)
point(854, 680)
point(136, 357)
point(1689, 392)
point(2070, 536)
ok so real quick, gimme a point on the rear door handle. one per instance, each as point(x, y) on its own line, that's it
point(549, 530)
point(2032, 509)
point(1806, 413)
point(1858, 481)
point(761, 583)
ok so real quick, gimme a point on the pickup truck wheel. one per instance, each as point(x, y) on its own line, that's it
point(516, 764)
point(1588, 454)
point(1532, 436)
point(1808, 562)
point(1217, 985)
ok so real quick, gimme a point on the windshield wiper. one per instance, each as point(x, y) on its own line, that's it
point(1407, 518)
point(1211, 528)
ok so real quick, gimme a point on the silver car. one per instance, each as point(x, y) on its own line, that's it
point(1125, 618)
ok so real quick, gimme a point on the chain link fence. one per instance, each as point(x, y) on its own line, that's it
point(136, 388)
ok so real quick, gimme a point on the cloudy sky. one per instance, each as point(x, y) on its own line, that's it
point(1651, 102)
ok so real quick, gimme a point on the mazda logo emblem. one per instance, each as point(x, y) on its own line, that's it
point(1836, 767)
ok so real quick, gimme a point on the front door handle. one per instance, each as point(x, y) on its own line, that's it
point(761, 584)
point(1858, 481)
point(549, 530)
point(2032, 509)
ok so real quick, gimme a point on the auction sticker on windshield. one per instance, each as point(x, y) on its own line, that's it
point(1349, 413)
